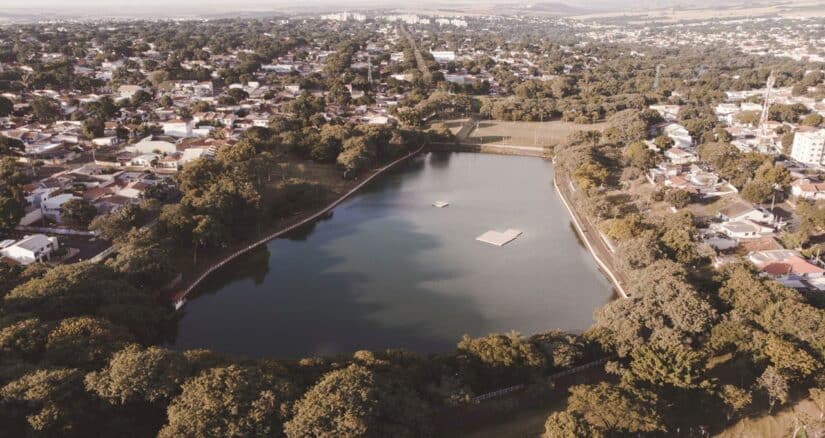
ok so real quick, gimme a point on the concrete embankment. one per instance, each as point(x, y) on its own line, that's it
point(527, 151)
point(586, 238)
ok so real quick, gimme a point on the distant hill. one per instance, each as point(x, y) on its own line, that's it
point(555, 8)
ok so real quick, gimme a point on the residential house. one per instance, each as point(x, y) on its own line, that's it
point(787, 266)
point(678, 155)
point(743, 229)
point(177, 128)
point(127, 91)
point(740, 211)
point(52, 207)
point(30, 249)
point(805, 188)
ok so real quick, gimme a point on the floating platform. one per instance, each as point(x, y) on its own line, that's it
point(440, 204)
point(498, 238)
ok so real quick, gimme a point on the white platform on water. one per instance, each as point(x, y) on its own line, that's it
point(498, 238)
point(440, 204)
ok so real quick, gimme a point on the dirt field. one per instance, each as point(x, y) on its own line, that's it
point(527, 133)
point(780, 424)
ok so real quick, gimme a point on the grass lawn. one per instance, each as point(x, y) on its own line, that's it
point(527, 133)
point(527, 424)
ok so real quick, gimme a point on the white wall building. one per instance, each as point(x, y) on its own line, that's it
point(148, 146)
point(30, 249)
point(177, 128)
point(52, 207)
point(809, 146)
point(443, 56)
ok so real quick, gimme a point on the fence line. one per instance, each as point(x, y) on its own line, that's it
point(65, 231)
point(560, 374)
point(180, 298)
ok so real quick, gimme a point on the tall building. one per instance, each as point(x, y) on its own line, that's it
point(809, 146)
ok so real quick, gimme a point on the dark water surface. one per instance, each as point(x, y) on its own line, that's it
point(388, 270)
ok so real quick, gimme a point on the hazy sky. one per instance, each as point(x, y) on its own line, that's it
point(226, 5)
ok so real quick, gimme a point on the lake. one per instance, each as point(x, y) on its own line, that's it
point(389, 270)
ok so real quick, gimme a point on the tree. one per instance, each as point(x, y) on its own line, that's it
point(628, 126)
point(637, 154)
point(792, 361)
point(84, 341)
point(678, 198)
point(561, 349)
point(12, 205)
point(46, 110)
point(510, 354)
point(590, 175)
point(26, 338)
point(78, 211)
point(10, 145)
point(775, 386)
point(624, 228)
point(736, 400)
point(638, 252)
point(138, 375)
point(93, 128)
point(663, 307)
point(142, 258)
point(667, 364)
point(813, 119)
point(757, 191)
point(358, 402)
point(6, 106)
point(664, 142)
point(51, 401)
point(230, 401)
point(566, 425)
point(613, 408)
point(748, 117)
point(118, 223)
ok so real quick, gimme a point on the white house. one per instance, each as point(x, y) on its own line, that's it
point(668, 112)
point(740, 211)
point(677, 155)
point(744, 229)
point(52, 207)
point(148, 146)
point(127, 91)
point(30, 249)
point(679, 134)
point(443, 56)
point(806, 189)
point(105, 141)
point(145, 160)
point(177, 128)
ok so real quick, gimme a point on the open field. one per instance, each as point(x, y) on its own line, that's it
point(519, 133)
point(795, 9)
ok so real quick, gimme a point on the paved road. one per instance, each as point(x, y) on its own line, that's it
point(419, 59)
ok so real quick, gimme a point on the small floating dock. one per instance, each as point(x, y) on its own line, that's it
point(440, 204)
point(498, 238)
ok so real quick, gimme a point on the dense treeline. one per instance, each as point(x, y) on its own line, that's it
point(695, 348)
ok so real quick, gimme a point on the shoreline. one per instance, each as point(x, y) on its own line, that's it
point(583, 235)
point(179, 298)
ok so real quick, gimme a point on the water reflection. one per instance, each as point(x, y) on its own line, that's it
point(387, 270)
